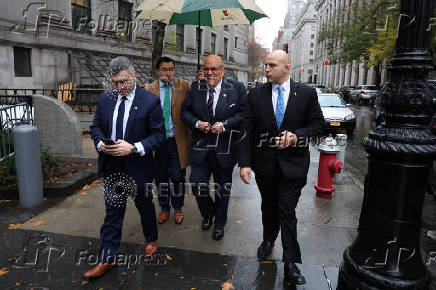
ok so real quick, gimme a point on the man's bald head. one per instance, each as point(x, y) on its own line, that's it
point(277, 66)
point(281, 56)
point(214, 58)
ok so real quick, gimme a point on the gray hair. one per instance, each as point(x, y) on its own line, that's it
point(120, 64)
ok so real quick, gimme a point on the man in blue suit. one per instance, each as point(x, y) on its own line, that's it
point(214, 113)
point(131, 120)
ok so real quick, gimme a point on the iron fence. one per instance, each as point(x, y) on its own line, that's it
point(11, 116)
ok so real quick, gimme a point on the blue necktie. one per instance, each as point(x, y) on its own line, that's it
point(120, 118)
point(280, 107)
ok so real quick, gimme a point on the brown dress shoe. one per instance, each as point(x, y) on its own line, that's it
point(163, 217)
point(150, 248)
point(178, 216)
point(98, 270)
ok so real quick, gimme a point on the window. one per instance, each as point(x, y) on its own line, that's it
point(198, 37)
point(311, 44)
point(313, 28)
point(311, 60)
point(226, 27)
point(311, 52)
point(81, 14)
point(180, 36)
point(22, 61)
point(226, 47)
point(125, 18)
point(213, 43)
point(236, 42)
point(312, 36)
point(311, 71)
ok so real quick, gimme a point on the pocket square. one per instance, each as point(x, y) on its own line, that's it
point(232, 105)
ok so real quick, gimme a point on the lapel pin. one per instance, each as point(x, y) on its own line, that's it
point(225, 95)
point(135, 108)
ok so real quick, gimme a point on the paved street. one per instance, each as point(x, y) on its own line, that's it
point(49, 247)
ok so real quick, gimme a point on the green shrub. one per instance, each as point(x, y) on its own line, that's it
point(8, 175)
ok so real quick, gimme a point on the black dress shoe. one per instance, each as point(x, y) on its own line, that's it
point(217, 234)
point(264, 249)
point(293, 274)
point(207, 222)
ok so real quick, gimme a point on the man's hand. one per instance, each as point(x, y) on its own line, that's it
point(203, 126)
point(121, 148)
point(285, 140)
point(245, 174)
point(217, 128)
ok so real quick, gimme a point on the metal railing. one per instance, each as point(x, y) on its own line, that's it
point(80, 99)
point(11, 116)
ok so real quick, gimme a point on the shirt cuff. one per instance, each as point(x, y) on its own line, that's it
point(140, 148)
point(196, 124)
point(99, 146)
point(222, 126)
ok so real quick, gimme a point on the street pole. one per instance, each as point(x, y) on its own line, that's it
point(386, 253)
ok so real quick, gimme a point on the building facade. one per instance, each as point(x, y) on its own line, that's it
point(48, 42)
point(303, 45)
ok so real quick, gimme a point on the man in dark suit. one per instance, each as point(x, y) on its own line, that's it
point(131, 119)
point(279, 119)
point(213, 111)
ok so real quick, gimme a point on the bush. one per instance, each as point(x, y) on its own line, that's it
point(8, 175)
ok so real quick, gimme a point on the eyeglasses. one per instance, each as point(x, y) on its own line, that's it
point(213, 69)
point(120, 81)
point(171, 69)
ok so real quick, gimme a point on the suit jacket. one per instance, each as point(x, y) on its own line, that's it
point(145, 125)
point(229, 110)
point(303, 117)
point(181, 131)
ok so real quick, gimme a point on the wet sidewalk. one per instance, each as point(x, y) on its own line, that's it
point(50, 247)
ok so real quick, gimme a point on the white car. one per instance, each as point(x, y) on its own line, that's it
point(337, 115)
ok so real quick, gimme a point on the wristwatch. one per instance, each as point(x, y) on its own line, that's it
point(134, 149)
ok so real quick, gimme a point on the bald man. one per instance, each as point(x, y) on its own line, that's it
point(214, 113)
point(280, 116)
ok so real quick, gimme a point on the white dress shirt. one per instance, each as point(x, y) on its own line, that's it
point(275, 93)
point(127, 105)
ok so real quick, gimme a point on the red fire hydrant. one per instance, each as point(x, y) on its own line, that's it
point(328, 166)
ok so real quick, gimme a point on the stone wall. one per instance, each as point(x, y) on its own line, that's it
point(58, 126)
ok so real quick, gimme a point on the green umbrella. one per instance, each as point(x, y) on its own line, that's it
point(201, 12)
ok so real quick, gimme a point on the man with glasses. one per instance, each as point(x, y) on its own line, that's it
point(173, 156)
point(278, 115)
point(127, 127)
point(214, 113)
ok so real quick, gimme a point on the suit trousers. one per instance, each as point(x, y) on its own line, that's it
point(222, 176)
point(279, 199)
point(168, 171)
point(115, 203)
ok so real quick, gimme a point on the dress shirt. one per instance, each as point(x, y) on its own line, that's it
point(275, 93)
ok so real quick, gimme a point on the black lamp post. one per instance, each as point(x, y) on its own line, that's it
point(386, 253)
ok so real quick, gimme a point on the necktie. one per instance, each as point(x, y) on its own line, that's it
point(166, 108)
point(280, 107)
point(120, 118)
point(210, 104)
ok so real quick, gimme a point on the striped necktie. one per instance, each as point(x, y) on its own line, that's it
point(210, 104)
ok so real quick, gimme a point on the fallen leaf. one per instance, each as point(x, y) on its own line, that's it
point(181, 277)
point(124, 273)
point(266, 262)
point(263, 273)
point(90, 243)
point(36, 223)
point(4, 200)
point(155, 274)
point(3, 271)
point(225, 265)
point(83, 193)
point(227, 285)
point(75, 281)
point(196, 227)
point(78, 200)
point(14, 226)
point(193, 288)
point(17, 284)
point(84, 282)
point(169, 258)
point(238, 221)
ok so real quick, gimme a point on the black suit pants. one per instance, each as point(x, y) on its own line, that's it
point(279, 199)
point(200, 177)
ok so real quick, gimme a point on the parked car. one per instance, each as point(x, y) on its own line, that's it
point(337, 115)
point(363, 93)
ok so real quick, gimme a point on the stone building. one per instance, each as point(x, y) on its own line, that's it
point(47, 42)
